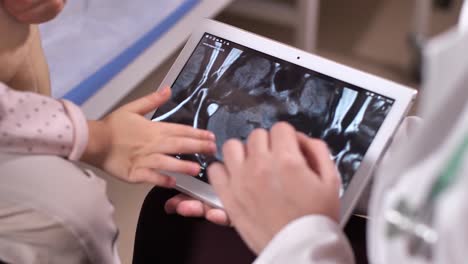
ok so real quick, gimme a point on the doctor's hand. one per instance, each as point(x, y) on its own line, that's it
point(277, 177)
point(190, 207)
point(134, 149)
point(34, 11)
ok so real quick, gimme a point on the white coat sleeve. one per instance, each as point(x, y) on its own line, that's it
point(312, 239)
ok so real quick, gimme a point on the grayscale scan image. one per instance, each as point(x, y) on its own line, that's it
point(231, 90)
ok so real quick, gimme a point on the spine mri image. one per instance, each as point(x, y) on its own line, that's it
point(231, 90)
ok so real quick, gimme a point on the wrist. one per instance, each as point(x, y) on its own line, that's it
point(98, 143)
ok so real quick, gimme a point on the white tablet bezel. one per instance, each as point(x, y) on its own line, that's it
point(402, 95)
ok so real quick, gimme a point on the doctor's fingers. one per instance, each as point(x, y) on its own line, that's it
point(190, 207)
point(319, 160)
point(172, 203)
point(218, 217)
point(234, 155)
point(283, 139)
point(161, 162)
point(258, 143)
point(221, 180)
point(185, 206)
point(178, 130)
point(227, 185)
point(182, 145)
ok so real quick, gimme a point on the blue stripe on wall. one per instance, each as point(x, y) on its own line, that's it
point(88, 87)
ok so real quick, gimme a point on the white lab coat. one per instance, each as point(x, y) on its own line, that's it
point(418, 207)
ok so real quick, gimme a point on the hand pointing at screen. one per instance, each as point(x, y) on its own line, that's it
point(277, 177)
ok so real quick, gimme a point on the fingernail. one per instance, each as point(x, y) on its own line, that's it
point(163, 90)
point(213, 147)
point(172, 182)
point(211, 136)
point(195, 170)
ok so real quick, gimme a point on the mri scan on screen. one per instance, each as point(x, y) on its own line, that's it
point(231, 90)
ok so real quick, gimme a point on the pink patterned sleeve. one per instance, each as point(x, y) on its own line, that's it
point(34, 124)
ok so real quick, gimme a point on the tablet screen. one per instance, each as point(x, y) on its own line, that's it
point(231, 90)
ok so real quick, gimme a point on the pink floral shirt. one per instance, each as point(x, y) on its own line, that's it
point(35, 124)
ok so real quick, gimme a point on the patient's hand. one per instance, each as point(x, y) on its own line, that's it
point(134, 149)
point(34, 11)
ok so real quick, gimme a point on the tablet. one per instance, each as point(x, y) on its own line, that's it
point(230, 82)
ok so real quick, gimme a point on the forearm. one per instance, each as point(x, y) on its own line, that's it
point(35, 124)
point(310, 239)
